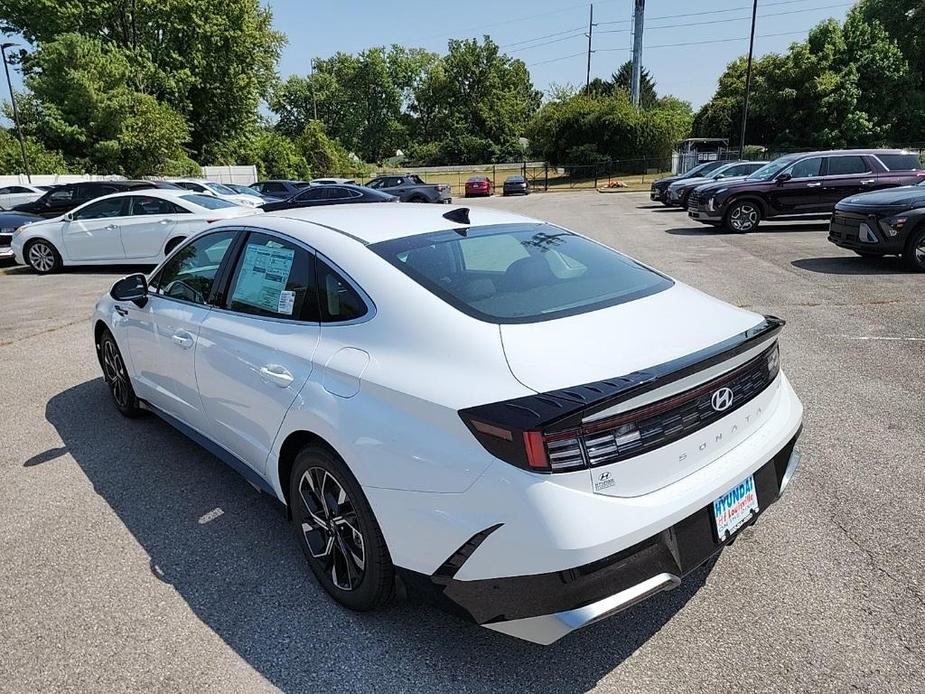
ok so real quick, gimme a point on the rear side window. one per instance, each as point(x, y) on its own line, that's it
point(520, 273)
point(843, 166)
point(275, 279)
point(900, 162)
point(339, 300)
point(208, 201)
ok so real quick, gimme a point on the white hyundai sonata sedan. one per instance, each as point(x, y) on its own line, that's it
point(132, 228)
point(517, 422)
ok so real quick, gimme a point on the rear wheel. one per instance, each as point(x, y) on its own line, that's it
point(42, 257)
point(914, 255)
point(116, 377)
point(338, 532)
point(743, 217)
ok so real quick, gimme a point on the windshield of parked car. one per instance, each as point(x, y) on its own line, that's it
point(207, 201)
point(771, 169)
point(220, 189)
point(520, 273)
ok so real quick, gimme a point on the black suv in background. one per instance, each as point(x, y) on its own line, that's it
point(886, 222)
point(658, 192)
point(65, 198)
point(802, 186)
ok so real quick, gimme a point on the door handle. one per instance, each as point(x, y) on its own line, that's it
point(111, 227)
point(183, 338)
point(813, 185)
point(164, 221)
point(277, 375)
point(868, 181)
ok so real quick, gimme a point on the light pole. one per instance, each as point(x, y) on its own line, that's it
point(748, 82)
point(9, 82)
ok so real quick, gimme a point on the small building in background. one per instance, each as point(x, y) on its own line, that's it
point(696, 150)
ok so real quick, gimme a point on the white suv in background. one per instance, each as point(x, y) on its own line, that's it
point(524, 425)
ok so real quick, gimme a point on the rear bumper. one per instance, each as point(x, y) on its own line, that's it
point(541, 560)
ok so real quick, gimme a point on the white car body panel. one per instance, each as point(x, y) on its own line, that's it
point(385, 390)
point(10, 200)
point(128, 240)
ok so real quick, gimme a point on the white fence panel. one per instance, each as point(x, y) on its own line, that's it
point(242, 175)
point(48, 179)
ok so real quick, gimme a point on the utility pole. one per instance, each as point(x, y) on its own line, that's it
point(748, 81)
point(639, 9)
point(9, 83)
point(589, 35)
point(314, 97)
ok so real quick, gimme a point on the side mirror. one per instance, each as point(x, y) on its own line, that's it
point(68, 217)
point(133, 288)
point(720, 176)
point(783, 178)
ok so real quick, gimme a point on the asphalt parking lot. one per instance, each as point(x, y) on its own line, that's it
point(132, 559)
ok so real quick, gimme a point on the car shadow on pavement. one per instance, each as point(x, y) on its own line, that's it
point(231, 555)
point(853, 265)
point(12, 269)
point(766, 228)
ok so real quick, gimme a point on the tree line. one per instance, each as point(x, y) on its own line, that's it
point(160, 87)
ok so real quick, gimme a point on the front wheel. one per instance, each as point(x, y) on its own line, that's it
point(914, 255)
point(42, 257)
point(338, 532)
point(743, 217)
point(116, 377)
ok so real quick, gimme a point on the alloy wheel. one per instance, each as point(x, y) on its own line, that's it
point(919, 252)
point(331, 528)
point(41, 256)
point(743, 217)
point(114, 373)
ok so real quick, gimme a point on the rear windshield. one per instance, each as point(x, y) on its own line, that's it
point(900, 162)
point(208, 201)
point(520, 273)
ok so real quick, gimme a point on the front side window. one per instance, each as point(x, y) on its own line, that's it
point(111, 207)
point(275, 279)
point(190, 272)
point(844, 166)
point(62, 195)
point(806, 168)
point(376, 183)
point(318, 193)
point(520, 273)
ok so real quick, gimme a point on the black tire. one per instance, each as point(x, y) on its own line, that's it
point(42, 257)
point(417, 198)
point(334, 525)
point(914, 254)
point(117, 378)
point(870, 254)
point(743, 216)
point(173, 243)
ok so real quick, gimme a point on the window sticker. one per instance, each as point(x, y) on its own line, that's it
point(286, 302)
point(263, 277)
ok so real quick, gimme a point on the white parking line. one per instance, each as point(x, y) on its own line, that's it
point(882, 338)
point(210, 516)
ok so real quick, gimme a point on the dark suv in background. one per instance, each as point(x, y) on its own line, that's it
point(802, 186)
point(886, 222)
point(658, 192)
point(65, 198)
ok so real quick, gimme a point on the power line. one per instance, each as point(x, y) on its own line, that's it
point(733, 19)
point(703, 43)
point(553, 60)
point(545, 36)
point(709, 12)
point(580, 34)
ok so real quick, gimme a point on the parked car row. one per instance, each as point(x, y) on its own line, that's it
point(875, 195)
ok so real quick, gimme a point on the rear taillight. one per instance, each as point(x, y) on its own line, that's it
point(531, 450)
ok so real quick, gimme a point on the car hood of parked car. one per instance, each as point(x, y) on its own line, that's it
point(905, 197)
point(621, 339)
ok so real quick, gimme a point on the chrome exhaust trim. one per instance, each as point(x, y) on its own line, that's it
point(792, 464)
point(549, 628)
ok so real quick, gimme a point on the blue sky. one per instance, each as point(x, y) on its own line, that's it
point(687, 71)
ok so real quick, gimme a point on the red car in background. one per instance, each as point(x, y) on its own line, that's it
point(478, 186)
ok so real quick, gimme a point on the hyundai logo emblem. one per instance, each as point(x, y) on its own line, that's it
point(722, 399)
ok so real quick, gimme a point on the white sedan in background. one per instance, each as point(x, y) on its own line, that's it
point(219, 190)
point(19, 194)
point(137, 227)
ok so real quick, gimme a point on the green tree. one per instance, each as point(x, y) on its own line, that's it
point(623, 79)
point(83, 103)
point(209, 60)
point(41, 160)
point(325, 156)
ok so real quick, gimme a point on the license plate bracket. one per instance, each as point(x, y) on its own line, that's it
point(735, 508)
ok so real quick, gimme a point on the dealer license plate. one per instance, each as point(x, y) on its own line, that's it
point(734, 508)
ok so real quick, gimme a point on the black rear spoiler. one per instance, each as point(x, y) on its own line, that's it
point(566, 407)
